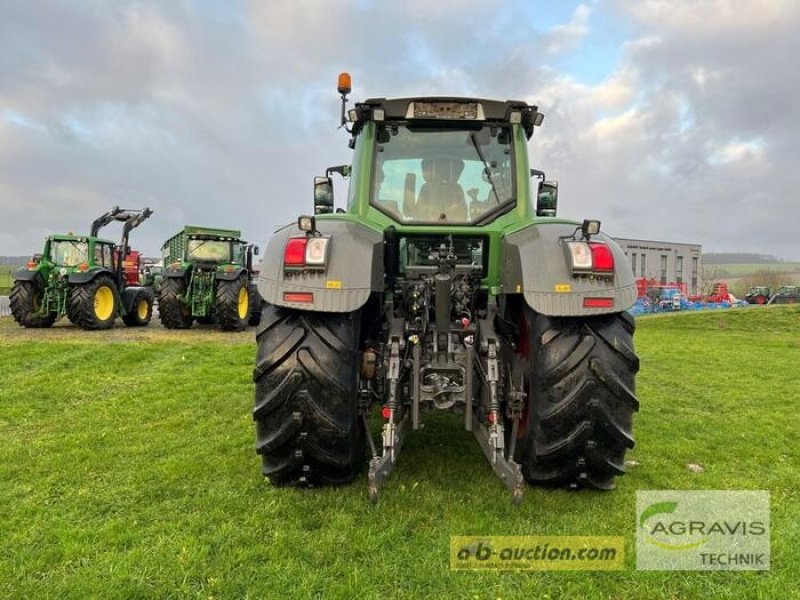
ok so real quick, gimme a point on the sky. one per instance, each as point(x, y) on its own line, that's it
point(674, 120)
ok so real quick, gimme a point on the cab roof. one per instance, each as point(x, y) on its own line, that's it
point(450, 109)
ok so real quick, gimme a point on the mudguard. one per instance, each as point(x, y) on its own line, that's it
point(79, 278)
point(173, 273)
point(354, 268)
point(128, 296)
point(25, 274)
point(232, 276)
point(536, 265)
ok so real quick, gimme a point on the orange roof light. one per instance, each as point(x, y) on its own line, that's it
point(345, 84)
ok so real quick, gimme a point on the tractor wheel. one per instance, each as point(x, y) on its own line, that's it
point(577, 425)
point(141, 310)
point(94, 305)
point(256, 304)
point(26, 301)
point(308, 428)
point(172, 311)
point(233, 304)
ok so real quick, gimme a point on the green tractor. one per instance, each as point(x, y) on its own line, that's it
point(757, 295)
point(84, 277)
point(445, 283)
point(786, 294)
point(207, 276)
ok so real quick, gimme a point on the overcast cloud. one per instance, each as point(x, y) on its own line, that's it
point(672, 120)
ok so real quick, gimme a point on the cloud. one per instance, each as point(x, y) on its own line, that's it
point(222, 113)
point(562, 38)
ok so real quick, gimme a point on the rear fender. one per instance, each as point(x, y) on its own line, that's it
point(80, 278)
point(229, 276)
point(127, 298)
point(25, 274)
point(354, 269)
point(174, 273)
point(536, 265)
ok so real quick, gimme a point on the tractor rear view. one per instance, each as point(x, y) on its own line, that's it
point(757, 295)
point(446, 283)
point(207, 276)
point(89, 279)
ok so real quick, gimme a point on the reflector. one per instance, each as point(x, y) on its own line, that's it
point(598, 303)
point(304, 297)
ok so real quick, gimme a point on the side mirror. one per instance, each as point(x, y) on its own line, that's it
point(256, 250)
point(323, 195)
point(547, 200)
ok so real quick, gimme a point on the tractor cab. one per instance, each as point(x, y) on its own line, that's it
point(77, 253)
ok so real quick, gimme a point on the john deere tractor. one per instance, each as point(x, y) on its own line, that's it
point(85, 278)
point(207, 276)
point(446, 282)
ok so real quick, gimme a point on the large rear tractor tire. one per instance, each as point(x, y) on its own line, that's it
point(581, 399)
point(26, 301)
point(308, 428)
point(94, 305)
point(256, 305)
point(172, 311)
point(232, 306)
point(141, 310)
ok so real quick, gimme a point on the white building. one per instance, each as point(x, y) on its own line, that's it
point(666, 262)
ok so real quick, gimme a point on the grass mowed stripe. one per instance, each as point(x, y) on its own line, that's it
point(127, 469)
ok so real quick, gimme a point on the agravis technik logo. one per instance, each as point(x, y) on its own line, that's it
point(708, 530)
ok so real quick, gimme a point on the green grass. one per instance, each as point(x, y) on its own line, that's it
point(740, 270)
point(5, 279)
point(127, 470)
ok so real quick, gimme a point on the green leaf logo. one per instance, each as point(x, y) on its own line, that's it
point(656, 509)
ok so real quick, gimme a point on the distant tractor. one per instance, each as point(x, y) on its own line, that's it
point(89, 279)
point(758, 295)
point(207, 276)
point(787, 294)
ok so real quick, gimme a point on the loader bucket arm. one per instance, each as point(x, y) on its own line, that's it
point(131, 219)
point(104, 220)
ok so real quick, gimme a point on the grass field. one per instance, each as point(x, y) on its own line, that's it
point(740, 277)
point(5, 279)
point(739, 270)
point(127, 470)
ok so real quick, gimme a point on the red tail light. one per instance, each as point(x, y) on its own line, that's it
point(602, 258)
point(294, 255)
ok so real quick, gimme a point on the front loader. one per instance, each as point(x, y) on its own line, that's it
point(84, 278)
point(448, 283)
